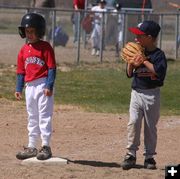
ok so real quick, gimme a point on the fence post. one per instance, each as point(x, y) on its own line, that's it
point(84, 15)
point(53, 27)
point(102, 37)
point(160, 35)
point(79, 37)
point(124, 29)
point(177, 36)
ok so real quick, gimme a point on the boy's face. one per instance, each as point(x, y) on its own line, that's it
point(31, 34)
point(102, 5)
point(145, 40)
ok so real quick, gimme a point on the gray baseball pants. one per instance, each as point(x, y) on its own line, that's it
point(144, 104)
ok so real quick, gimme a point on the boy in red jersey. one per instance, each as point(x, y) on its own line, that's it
point(36, 66)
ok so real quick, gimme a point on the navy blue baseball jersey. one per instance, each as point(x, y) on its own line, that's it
point(143, 78)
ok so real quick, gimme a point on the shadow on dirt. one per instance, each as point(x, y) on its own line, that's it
point(96, 163)
point(102, 164)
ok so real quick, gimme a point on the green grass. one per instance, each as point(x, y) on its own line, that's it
point(7, 83)
point(170, 96)
point(100, 88)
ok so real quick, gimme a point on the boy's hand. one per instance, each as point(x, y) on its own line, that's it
point(48, 92)
point(138, 60)
point(18, 95)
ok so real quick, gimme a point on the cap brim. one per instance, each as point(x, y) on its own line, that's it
point(136, 31)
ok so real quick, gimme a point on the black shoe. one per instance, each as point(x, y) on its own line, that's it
point(44, 153)
point(150, 163)
point(129, 162)
point(28, 152)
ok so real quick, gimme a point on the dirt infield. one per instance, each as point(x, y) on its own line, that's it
point(94, 144)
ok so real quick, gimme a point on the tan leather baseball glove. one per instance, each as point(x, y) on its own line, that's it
point(130, 53)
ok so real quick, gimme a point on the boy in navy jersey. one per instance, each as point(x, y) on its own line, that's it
point(36, 67)
point(145, 96)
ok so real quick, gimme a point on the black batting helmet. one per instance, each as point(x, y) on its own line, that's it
point(33, 20)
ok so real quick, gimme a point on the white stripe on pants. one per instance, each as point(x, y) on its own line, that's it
point(39, 109)
point(144, 103)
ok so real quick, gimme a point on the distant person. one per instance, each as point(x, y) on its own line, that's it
point(36, 66)
point(45, 13)
point(77, 5)
point(119, 41)
point(147, 79)
point(97, 30)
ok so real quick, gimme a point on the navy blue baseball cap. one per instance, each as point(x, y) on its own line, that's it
point(146, 28)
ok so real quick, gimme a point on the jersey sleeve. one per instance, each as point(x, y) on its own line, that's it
point(19, 82)
point(51, 64)
point(160, 65)
point(51, 78)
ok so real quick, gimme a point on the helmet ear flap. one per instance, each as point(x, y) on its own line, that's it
point(22, 32)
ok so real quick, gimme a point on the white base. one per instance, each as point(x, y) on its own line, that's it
point(51, 161)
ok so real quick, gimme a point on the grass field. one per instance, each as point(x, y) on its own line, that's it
point(100, 88)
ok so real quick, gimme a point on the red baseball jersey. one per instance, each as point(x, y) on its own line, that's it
point(80, 3)
point(34, 60)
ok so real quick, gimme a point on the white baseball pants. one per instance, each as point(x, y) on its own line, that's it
point(96, 36)
point(40, 110)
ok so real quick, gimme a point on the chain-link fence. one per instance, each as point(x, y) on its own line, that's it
point(80, 51)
